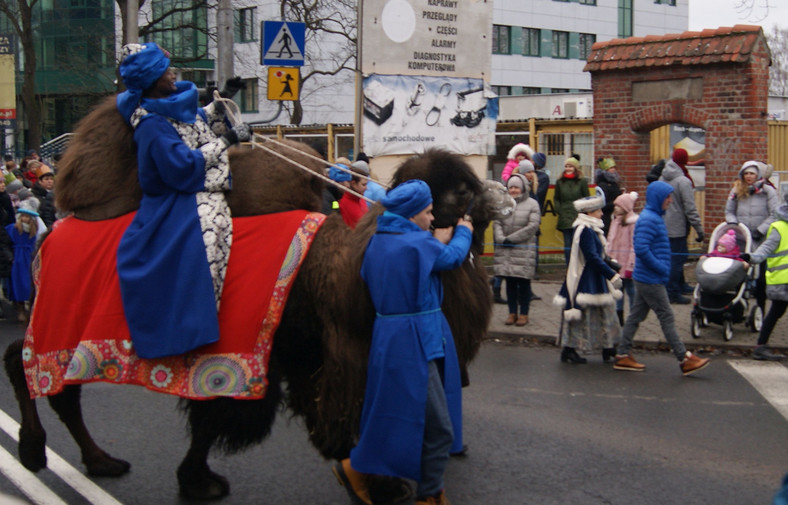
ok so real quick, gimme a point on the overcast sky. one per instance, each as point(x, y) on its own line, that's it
point(716, 13)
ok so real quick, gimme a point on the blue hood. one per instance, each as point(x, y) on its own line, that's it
point(656, 192)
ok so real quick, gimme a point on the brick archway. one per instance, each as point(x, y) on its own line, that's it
point(714, 79)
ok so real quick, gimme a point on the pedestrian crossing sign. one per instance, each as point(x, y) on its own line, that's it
point(283, 83)
point(283, 43)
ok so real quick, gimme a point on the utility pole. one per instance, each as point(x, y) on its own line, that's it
point(132, 22)
point(224, 42)
point(359, 81)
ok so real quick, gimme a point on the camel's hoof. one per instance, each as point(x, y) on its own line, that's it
point(388, 490)
point(106, 466)
point(202, 484)
point(32, 450)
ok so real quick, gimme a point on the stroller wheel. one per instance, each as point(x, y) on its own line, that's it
point(727, 330)
point(755, 321)
point(695, 325)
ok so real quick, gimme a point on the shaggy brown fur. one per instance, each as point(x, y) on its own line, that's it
point(322, 344)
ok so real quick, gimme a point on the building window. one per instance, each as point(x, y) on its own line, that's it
point(554, 143)
point(624, 18)
point(244, 25)
point(198, 77)
point(501, 39)
point(666, 2)
point(527, 90)
point(248, 96)
point(183, 30)
point(531, 39)
point(560, 44)
point(584, 47)
point(559, 90)
point(502, 90)
point(592, 2)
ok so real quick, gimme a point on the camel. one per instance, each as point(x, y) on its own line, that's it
point(317, 364)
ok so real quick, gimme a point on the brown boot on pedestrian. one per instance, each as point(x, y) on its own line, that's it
point(353, 482)
point(628, 363)
point(522, 320)
point(692, 364)
point(510, 320)
point(433, 500)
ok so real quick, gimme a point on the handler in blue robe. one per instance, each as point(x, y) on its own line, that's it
point(412, 406)
point(173, 257)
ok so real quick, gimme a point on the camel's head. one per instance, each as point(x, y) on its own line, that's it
point(494, 202)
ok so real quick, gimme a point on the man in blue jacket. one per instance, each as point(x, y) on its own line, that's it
point(652, 272)
point(412, 405)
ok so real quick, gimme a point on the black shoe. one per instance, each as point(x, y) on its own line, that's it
point(687, 289)
point(609, 354)
point(569, 355)
point(761, 353)
point(462, 453)
point(500, 300)
point(535, 297)
point(680, 299)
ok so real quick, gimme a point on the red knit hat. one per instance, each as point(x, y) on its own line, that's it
point(680, 157)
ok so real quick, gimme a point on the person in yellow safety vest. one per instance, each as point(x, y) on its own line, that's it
point(773, 250)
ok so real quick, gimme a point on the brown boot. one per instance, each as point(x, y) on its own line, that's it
point(628, 363)
point(510, 320)
point(433, 500)
point(353, 482)
point(522, 320)
point(692, 364)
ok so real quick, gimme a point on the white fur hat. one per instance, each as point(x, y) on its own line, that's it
point(589, 203)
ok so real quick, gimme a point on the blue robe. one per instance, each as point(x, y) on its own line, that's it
point(21, 280)
point(168, 290)
point(401, 268)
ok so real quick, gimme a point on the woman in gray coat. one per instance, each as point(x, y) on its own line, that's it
point(515, 249)
point(753, 203)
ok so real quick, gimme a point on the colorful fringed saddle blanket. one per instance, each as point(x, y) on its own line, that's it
point(78, 331)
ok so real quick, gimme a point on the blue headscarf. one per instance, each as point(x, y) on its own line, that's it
point(408, 199)
point(140, 69)
point(337, 175)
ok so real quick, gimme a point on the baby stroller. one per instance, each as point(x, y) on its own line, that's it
point(725, 292)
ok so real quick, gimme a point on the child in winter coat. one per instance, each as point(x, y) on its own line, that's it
point(620, 246)
point(590, 290)
point(23, 237)
point(727, 247)
point(516, 154)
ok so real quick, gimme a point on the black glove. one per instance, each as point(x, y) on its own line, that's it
point(507, 242)
point(701, 237)
point(745, 257)
point(615, 265)
point(232, 86)
point(757, 236)
point(241, 133)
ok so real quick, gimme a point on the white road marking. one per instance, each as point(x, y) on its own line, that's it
point(770, 379)
point(70, 475)
point(26, 481)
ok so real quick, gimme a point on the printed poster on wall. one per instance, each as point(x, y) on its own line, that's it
point(409, 114)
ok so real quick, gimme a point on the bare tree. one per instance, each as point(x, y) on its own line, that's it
point(778, 72)
point(20, 16)
point(330, 41)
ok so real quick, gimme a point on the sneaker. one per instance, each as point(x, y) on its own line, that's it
point(680, 299)
point(692, 364)
point(628, 363)
point(761, 353)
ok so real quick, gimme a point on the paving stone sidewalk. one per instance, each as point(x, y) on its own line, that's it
point(545, 318)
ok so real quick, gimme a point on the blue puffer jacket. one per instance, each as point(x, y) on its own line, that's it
point(652, 246)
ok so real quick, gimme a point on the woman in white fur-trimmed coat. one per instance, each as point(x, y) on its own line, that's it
point(590, 290)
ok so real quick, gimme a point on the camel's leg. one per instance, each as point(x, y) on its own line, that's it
point(98, 463)
point(32, 437)
point(231, 426)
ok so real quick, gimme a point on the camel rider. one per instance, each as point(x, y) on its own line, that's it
point(411, 418)
point(172, 259)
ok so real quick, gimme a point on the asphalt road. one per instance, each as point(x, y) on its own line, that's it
point(539, 432)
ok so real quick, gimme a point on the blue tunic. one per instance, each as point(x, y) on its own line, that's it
point(20, 280)
point(401, 268)
point(169, 292)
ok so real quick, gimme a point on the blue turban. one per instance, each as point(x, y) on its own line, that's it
point(139, 70)
point(408, 199)
point(337, 175)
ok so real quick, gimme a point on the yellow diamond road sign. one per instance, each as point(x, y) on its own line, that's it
point(282, 83)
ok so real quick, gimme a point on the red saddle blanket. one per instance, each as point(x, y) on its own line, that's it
point(78, 332)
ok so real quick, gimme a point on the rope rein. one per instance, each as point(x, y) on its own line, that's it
point(233, 114)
